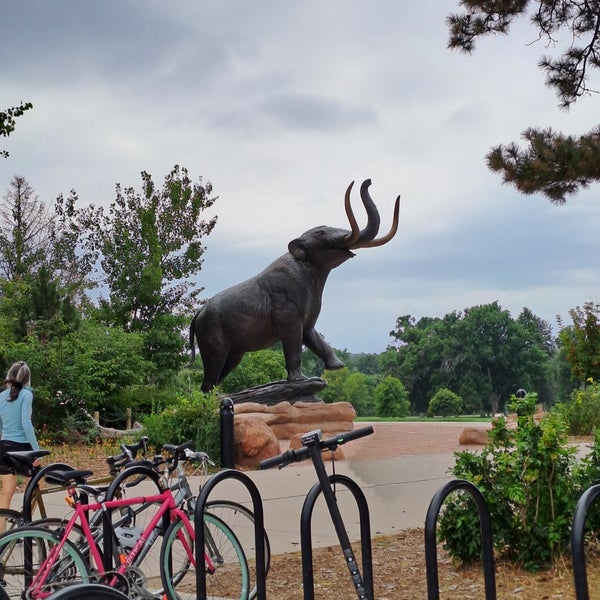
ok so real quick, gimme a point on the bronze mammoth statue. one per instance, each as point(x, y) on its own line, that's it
point(283, 301)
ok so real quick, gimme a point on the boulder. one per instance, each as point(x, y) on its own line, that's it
point(474, 436)
point(253, 441)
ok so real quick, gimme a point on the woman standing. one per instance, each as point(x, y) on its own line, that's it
point(16, 429)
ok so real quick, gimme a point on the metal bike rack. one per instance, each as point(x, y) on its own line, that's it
point(306, 534)
point(577, 539)
point(261, 585)
point(487, 542)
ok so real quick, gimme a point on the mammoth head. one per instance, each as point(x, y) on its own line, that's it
point(329, 247)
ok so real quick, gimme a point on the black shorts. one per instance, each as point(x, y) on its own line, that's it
point(6, 465)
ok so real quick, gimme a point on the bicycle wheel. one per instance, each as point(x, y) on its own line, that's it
point(240, 519)
point(88, 591)
point(129, 523)
point(227, 576)
point(22, 567)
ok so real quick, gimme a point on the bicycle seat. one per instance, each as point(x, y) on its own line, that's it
point(22, 460)
point(73, 476)
point(27, 457)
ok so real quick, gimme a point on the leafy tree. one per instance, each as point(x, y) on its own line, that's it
point(555, 164)
point(256, 368)
point(581, 342)
point(151, 243)
point(8, 120)
point(582, 413)
point(345, 386)
point(335, 392)
point(42, 255)
point(391, 398)
point(482, 354)
point(445, 403)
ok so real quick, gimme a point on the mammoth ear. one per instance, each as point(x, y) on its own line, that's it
point(297, 249)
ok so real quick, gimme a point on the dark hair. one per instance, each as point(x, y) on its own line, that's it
point(17, 377)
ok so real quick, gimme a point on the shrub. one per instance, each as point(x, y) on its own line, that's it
point(195, 417)
point(445, 403)
point(391, 398)
point(531, 481)
point(582, 413)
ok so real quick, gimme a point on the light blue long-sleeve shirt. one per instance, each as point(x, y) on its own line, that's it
point(15, 418)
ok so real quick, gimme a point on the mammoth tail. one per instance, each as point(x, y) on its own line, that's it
point(192, 341)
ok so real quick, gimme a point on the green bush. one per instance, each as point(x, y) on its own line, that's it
point(531, 481)
point(582, 413)
point(391, 398)
point(445, 403)
point(194, 417)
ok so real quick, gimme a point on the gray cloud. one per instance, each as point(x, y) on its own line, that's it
point(280, 105)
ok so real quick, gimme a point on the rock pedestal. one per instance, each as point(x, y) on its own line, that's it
point(286, 419)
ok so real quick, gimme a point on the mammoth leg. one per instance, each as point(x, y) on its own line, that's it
point(213, 367)
point(292, 351)
point(314, 340)
point(231, 362)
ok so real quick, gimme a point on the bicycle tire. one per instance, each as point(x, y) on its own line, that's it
point(230, 579)
point(17, 572)
point(88, 591)
point(240, 519)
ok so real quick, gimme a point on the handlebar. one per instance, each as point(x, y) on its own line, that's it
point(313, 439)
point(129, 452)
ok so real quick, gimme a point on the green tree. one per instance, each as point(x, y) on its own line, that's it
point(256, 368)
point(445, 403)
point(335, 390)
point(555, 164)
point(581, 342)
point(8, 121)
point(151, 243)
point(43, 256)
point(391, 398)
point(482, 354)
point(346, 386)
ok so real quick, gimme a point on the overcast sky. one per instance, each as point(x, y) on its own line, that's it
point(280, 105)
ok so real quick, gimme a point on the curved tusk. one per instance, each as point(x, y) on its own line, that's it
point(353, 237)
point(390, 234)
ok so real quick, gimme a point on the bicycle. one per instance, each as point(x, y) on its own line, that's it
point(128, 525)
point(35, 561)
point(33, 496)
point(312, 447)
point(236, 516)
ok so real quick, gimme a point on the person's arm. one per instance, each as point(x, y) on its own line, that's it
point(26, 410)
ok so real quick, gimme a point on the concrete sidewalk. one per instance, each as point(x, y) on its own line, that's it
point(398, 492)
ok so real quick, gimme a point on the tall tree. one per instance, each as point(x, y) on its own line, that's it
point(44, 265)
point(8, 120)
point(554, 164)
point(482, 354)
point(581, 342)
point(151, 243)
